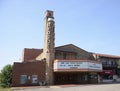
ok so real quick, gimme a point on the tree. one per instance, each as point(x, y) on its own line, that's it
point(6, 76)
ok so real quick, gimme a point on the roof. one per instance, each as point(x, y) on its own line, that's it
point(31, 54)
point(68, 48)
point(106, 55)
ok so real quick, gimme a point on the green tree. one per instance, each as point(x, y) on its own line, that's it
point(6, 76)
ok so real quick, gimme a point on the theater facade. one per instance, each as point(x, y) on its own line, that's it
point(66, 64)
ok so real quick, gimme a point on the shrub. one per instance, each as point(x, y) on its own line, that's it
point(6, 76)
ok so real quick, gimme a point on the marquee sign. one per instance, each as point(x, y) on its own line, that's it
point(79, 65)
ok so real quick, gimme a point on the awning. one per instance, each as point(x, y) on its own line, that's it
point(109, 72)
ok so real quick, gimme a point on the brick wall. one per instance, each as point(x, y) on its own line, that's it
point(29, 69)
point(30, 54)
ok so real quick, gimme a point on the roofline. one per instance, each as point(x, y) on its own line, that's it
point(106, 55)
point(64, 45)
point(72, 45)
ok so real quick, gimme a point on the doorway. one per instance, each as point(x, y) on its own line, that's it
point(71, 78)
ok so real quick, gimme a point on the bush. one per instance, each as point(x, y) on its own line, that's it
point(6, 76)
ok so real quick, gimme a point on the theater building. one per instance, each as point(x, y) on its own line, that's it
point(67, 64)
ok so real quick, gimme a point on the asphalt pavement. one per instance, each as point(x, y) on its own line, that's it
point(98, 87)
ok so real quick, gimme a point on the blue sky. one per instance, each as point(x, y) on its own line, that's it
point(93, 25)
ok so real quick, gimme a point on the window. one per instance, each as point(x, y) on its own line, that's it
point(114, 63)
point(107, 77)
point(64, 56)
point(93, 76)
point(104, 62)
point(34, 79)
point(109, 62)
point(23, 79)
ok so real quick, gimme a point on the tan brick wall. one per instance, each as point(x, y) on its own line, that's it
point(72, 52)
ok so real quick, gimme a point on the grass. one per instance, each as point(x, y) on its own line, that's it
point(5, 89)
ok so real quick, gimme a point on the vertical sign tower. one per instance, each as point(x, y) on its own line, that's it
point(49, 51)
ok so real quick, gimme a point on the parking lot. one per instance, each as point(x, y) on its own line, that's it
point(98, 87)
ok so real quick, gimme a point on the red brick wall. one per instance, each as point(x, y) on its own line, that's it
point(29, 69)
point(30, 54)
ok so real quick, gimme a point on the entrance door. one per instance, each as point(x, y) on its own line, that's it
point(75, 78)
point(66, 78)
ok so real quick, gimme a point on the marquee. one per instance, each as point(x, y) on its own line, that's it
point(77, 65)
